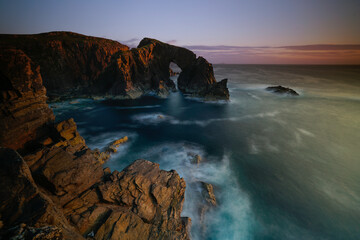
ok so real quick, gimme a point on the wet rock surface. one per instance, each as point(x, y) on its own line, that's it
point(113, 147)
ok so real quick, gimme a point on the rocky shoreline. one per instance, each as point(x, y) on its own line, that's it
point(52, 185)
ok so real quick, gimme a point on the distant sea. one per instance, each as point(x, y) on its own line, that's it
point(282, 167)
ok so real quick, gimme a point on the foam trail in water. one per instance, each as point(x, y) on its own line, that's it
point(157, 118)
point(139, 107)
point(151, 119)
point(232, 218)
point(103, 140)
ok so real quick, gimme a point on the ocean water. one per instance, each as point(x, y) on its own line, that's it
point(282, 167)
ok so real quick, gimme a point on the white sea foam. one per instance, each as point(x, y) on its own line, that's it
point(157, 118)
point(151, 119)
point(232, 218)
point(202, 100)
point(139, 107)
point(258, 144)
point(254, 96)
point(103, 140)
point(305, 132)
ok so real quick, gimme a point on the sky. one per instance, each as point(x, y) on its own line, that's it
point(223, 31)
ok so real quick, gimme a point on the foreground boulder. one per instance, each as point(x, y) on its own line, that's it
point(23, 202)
point(74, 65)
point(141, 202)
point(282, 90)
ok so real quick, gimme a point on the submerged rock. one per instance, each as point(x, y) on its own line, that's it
point(195, 158)
point(282, 90)
point(208, 193)
point(207, 203)
point(116, 144)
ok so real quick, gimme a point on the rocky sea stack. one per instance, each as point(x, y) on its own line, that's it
point(52, 186)
point(282, 90)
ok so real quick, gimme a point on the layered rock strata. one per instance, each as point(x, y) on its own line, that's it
point(74, 65)
point(23, 108)
point(52, 186)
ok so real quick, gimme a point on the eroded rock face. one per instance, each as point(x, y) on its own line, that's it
point(23, 108)
point(73, 193)
point(69, 62)
point(153, 194)
point(77, 65)
point(23, 202)
point(141, 202)
point(214, 91)
point(197, 75)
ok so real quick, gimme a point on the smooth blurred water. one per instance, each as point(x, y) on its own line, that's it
point(282, 167)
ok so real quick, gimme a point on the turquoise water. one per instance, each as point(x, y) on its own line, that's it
point(282, 167)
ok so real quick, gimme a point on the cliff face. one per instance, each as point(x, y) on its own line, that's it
point(77, 65)
point(68, 61)
point(23, 108)
point(52, 186)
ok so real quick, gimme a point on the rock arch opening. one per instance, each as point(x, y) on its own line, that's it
point(174, 72)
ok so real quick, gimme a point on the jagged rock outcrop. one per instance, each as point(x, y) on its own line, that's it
point(282, 90)
point(77, 65)
point(23, 202)
point(197, 75)
point(54, 187)
point(215, 90)
point(113, 147)
point(141, 202)
point(208, 203)
point(23, 108)
point(208, 193)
